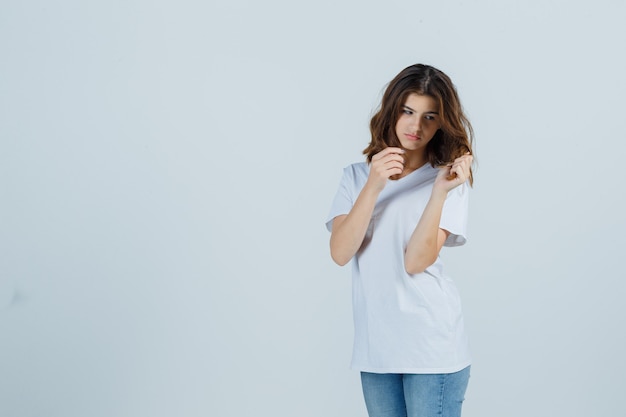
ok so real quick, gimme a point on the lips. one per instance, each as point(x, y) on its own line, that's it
point(411, 137)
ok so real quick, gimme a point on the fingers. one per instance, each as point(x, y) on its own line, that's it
point(451, 176)
point(389, 158)
point(460, 168)
point(387, 163)
point(388, 151)
point(391, 163)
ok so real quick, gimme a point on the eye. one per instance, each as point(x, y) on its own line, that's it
point(429, 117)
point(406, 111)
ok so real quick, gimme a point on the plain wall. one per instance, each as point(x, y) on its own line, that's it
point(166, 169)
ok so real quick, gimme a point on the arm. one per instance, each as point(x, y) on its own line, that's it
point(349, 229)
point(427, 238)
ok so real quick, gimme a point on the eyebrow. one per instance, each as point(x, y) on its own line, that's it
point(428, 112)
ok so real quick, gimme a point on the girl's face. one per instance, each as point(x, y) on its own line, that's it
point(418, 122)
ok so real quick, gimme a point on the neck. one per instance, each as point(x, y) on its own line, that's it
point(414, 159)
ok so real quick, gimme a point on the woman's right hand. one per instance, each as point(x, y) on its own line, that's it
point(349, 230)
point(385, 164)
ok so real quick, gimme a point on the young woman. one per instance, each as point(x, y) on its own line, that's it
point(391, 215)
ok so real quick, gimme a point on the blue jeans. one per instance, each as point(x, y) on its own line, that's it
point(415, 395)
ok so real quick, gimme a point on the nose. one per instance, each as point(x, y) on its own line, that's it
point(416, 124)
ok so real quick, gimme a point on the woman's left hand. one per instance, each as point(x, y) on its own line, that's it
point(454, 174)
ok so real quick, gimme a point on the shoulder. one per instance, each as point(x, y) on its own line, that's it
point(354, 178)
point(358, 168)
point(356, 173)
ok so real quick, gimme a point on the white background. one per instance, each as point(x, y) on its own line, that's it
point(166, 169)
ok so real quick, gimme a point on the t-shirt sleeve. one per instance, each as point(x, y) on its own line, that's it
point(344, 199)
point(454, 215)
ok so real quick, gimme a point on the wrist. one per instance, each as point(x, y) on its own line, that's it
point(439, 194)
point(373, 187)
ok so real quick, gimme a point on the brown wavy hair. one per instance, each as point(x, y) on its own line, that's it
point(452, 140)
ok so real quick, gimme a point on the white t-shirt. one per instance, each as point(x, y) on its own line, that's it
point(403, 323)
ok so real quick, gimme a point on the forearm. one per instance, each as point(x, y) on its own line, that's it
point(426, 241)
point(348, 232)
